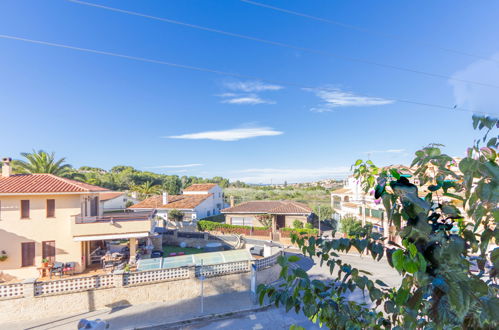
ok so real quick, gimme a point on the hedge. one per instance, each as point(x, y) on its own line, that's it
point(302, 231)
point(204, 225)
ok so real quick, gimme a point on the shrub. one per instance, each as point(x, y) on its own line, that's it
point(297, 224)
point(309, 226)
point(302, 231)
point(204, 225)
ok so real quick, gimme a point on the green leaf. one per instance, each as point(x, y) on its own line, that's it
point(358, 162)
point(412, 250)
point(294, 258)
point(395, 173)
point(398, 260)
point(410, 265)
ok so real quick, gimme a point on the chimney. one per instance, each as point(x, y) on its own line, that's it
point(231, 201)
point(165, 198)
point(6, 167)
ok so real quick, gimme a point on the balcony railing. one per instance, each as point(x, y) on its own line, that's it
point(116, 217)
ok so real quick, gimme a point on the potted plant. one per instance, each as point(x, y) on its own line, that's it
point(45, 262)
point(3, 256)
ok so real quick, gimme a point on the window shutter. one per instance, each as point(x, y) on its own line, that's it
point(24, 209)
point(28, 254)
point(50, 208)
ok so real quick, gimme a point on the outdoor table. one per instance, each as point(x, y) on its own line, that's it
point(44, 270)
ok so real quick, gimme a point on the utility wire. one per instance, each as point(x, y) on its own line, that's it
point(222, 73)
point(284, 45)
point(365, 30)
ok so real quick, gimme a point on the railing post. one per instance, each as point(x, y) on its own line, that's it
point(175, 233)
point(119, 279)
point(206, 236)
point(192, 272)
point(29, 287)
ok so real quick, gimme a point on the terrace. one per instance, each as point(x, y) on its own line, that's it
point(113, 226)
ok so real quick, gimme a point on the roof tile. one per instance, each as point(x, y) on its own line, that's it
point(272, 207)
point(43, 183)
point(174, 202)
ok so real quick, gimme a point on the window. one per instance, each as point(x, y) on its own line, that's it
point(209, 213)
point(25, 209)
point(28, 254)
point(242, 221)
point(48, 250)
point(50, 208)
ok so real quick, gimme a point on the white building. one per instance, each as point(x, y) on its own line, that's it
point(115, 201)
point(351, 200)
point(196, 202)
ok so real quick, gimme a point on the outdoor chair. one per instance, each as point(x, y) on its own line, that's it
point(69, 268)
point(173, 254)
point(57, 269)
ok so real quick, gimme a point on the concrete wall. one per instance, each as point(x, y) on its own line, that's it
point(169, 292)
point(38, 228)
point(288, 219)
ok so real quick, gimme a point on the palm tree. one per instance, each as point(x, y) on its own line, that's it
point(147, 188)
point(43, 162)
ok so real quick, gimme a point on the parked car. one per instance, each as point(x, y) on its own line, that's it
point(157, 254)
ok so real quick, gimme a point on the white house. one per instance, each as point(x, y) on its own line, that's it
point(114, 201)
point(196, 202)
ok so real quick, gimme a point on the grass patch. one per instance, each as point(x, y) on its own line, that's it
point(175, 249)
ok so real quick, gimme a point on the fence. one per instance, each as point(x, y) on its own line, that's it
point(74, 284)
point(267, 262)
point(222, 269)
point(84, 283)
point(10, 291)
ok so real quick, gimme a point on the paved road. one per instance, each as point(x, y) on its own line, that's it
point(274, 318)
point(380, 269)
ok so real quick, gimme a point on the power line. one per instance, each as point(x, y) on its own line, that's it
point(222, 73)
point(284, 45)
point(365, 30)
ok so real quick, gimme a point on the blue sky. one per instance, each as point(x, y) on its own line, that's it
point(311, 118)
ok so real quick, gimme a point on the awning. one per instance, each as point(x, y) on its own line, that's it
point(113, 236)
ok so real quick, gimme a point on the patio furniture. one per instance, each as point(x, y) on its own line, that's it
point(173, 254)
point(69, 268)
point(180, 253)
point(44, 270)
point(57, 269)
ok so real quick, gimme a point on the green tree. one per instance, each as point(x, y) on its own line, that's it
point(265, 220)
point(172, 184)
point(147, 189)
point(438, 290)
point(325, 212)
point(175, 216)
point(44, 162)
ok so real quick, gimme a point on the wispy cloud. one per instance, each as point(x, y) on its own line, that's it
point(245, 92)
point(234, 134)
point(251, 86)
point(334, 97)
point(387, 151)
point(473, 97)
point(279, 175)
point(176, 166)
point(245, 99)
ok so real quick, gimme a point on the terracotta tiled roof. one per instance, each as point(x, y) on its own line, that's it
point(110, 195)
point(272, 207)
point(200, 187)
point(341, 191)
point(43, 183)
point(174, 202)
